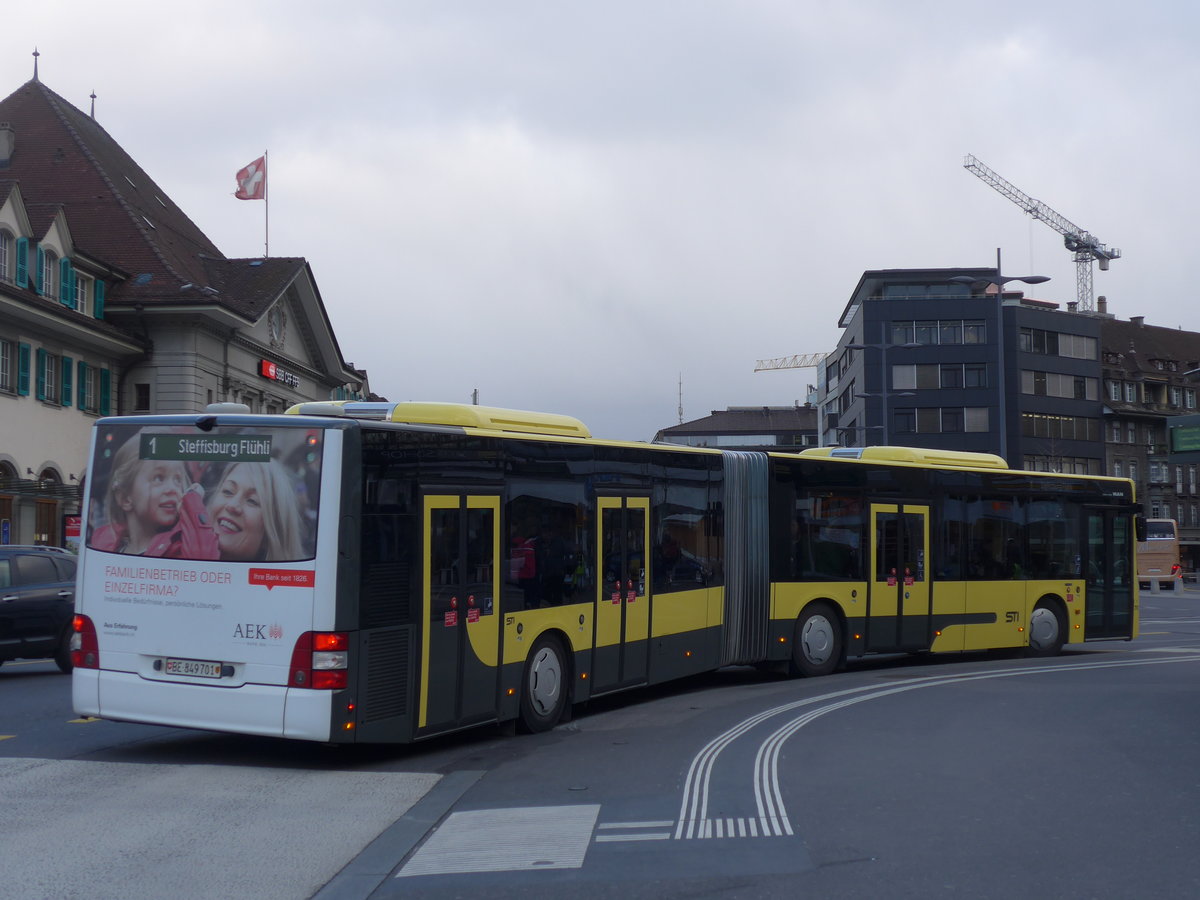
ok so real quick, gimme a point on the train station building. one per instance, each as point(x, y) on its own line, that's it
point(112, 301)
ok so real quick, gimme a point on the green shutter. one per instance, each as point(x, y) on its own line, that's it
point(23, 369)
point(41, 374)
point(67, 369)
point(66, 296)
point(98, 299)
point(22, 262)
point(104, 389)
point(37, 275)
point(82, 382)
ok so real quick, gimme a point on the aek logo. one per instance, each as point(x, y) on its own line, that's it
point(254, 631)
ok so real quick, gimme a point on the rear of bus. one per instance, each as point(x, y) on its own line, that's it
point(207, 578)
point(1158, 561)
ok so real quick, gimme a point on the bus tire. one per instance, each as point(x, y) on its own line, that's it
point(62, 656)
point(544, 686)
point(817, 649)
point(1047, 630)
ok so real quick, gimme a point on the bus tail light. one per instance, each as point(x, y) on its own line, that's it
point(320, 661)
point(85, 648)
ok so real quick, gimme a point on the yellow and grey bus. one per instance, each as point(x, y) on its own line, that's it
point(386, 572)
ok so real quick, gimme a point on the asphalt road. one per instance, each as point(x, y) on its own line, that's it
point(972, 776)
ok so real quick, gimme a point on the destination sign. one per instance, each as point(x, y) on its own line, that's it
point(215, 448)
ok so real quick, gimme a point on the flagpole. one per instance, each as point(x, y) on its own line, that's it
point(266, 209)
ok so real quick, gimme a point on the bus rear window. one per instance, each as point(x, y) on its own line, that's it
point(233, 494)
point(1160, 531)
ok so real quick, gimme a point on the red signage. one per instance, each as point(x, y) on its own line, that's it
point(270, 370)
point(283, 577)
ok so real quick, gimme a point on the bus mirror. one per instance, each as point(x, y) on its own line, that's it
point(1139, 528)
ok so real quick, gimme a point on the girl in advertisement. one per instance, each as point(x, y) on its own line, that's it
point(153, 509)
point(255, 514)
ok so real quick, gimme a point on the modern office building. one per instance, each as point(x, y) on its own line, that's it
point(940, 358)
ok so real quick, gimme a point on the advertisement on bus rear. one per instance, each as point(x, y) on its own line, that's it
point(202, 539)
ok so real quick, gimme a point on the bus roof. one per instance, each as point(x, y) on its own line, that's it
point(916, 455)
point(487, 418)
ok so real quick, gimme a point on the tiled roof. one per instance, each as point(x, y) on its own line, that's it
point(250, 286)
point(1140, 344)
point(114, 209)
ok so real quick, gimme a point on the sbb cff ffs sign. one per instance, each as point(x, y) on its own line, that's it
point(268, 369)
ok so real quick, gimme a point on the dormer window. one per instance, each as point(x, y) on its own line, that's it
point(83, 292)
point(48, 280)
point(6, 256)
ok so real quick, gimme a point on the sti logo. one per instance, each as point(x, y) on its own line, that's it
point(254, 631)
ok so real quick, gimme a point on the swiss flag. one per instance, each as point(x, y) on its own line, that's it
point(252, 181)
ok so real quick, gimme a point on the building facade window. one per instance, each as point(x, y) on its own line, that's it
point(1056, 384)
point(83, 292)
point(48, 365)
point(6, 255)
point(87, 379)
point(49, 273)
point(8, 364)
point(942, 331)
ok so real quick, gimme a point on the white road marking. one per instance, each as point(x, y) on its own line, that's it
point(693, 821)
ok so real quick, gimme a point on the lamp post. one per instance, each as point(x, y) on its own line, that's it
point(885, 393)
point(842, 429)
point(982, 281)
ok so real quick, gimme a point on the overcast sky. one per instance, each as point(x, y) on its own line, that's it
point(572, 206)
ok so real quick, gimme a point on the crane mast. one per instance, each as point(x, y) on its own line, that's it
point(1084, 245)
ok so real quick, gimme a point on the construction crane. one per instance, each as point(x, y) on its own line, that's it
point(799, 361)
point(1084, 245)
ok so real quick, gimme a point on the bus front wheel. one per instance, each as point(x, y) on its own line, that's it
point(1047, 631)
point(817, 648)
point(544, 687)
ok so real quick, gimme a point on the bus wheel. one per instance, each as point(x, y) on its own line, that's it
point(817, 648)
point(1047, 631)
point(544, 687)
point(62, 656)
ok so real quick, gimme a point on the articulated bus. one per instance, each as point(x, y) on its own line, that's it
point(1158, 561)
point(378, 572)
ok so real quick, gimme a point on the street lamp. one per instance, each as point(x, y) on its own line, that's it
point(885, 393)
point(982, 281)
point(842, 429)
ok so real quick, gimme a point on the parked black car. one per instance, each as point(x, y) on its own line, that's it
point(37, 603)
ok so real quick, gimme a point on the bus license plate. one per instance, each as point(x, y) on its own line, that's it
point(197, 668)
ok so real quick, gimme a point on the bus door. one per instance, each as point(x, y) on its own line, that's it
point(1110, 574)
point(622, 645)
point(460, 642)
point(899, 604)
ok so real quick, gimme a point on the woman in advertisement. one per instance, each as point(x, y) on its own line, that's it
point(255, 514)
